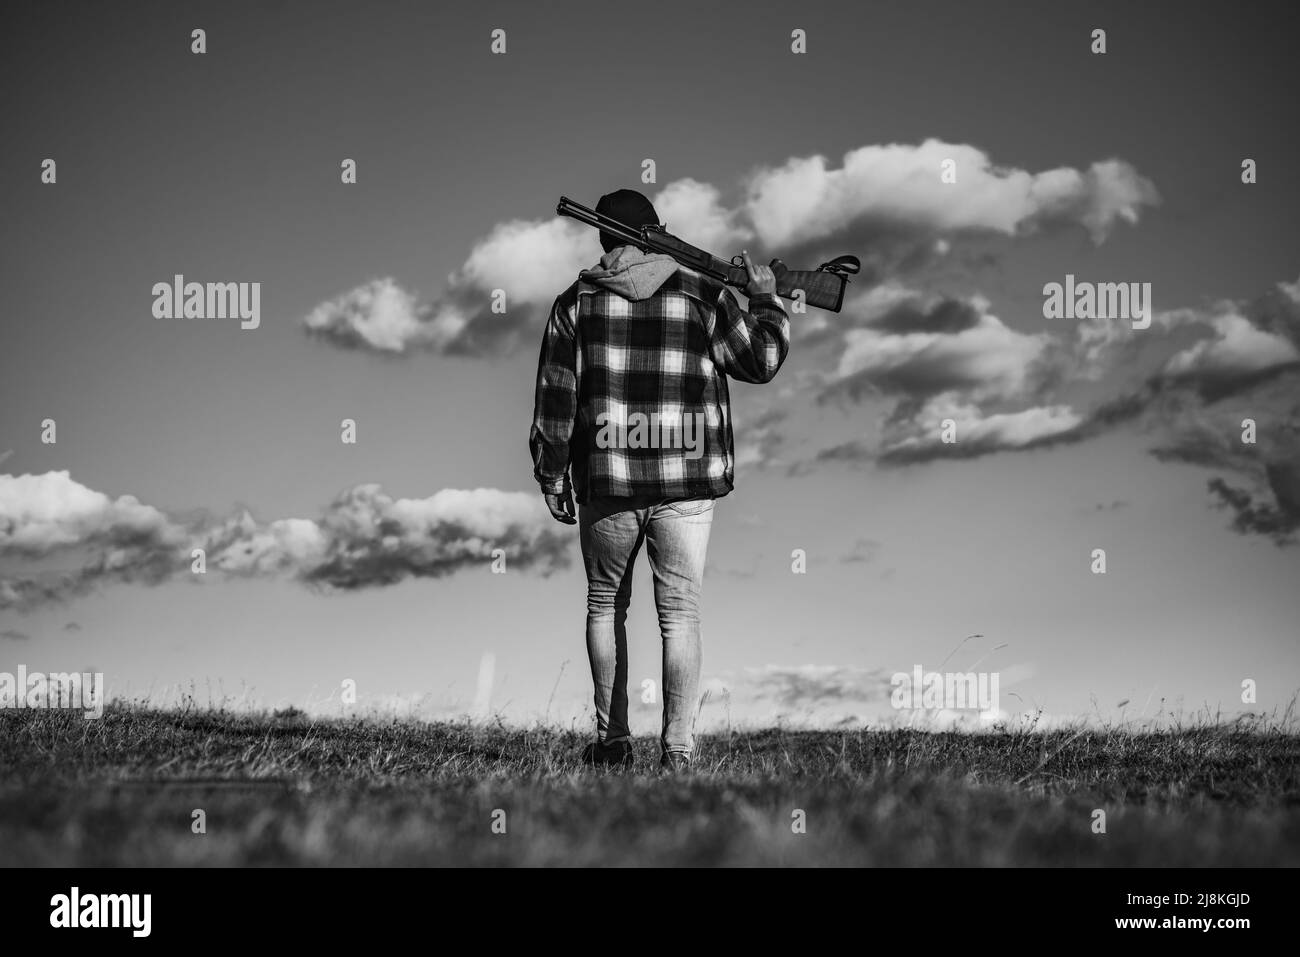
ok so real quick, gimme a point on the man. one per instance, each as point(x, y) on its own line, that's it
point(632, 414)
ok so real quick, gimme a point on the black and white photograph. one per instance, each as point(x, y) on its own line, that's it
point(588, 435)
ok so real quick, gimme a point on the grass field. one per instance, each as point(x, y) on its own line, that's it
point(283, 790)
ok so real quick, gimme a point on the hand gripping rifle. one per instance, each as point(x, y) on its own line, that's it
point(822, 287)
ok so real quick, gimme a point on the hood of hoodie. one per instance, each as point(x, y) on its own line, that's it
point(631, 273)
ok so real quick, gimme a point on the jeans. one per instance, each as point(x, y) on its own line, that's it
point(676, 534)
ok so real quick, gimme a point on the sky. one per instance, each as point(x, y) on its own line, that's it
point(371, 562)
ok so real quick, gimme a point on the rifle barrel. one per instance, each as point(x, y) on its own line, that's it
point(583, 214)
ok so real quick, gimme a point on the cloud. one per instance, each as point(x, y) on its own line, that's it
point(367, 538)
point(863, 552)
point(1263, 494)
point(1244, 362)
point(938, 358)
point(897, 187)
point(810, 686)
point(924, 346)
point(44, 514)
point(759, 441)
point(919, 437)
point(942, 317)
point(530, 262)
point(975, 374)
point(382, 317)
point(525, 258)
point(1246, 368)
point(1238, 344)
point(50, 515)
point(12, 634)
point(1279, 520)
point(364, 538)
point(825, 696)
point(913, 432)
point(693, 211)
point(1236, 356)
point(890, 307)
point(853, 451)
point(885, 202)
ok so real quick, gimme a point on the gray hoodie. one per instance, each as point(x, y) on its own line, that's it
point(631, 273)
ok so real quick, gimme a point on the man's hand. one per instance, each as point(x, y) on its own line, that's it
point(561, 507)
point(762, 281)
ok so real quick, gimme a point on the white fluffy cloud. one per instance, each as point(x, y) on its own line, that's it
point(242, 546)
point(365, 538)
point(531, 261)
point(919, 436)
point(985, 359)
point(899, 185)
point(42, 514)
point(381, 316)
point(1238, 346)
point(693, 211)
point(878, 191)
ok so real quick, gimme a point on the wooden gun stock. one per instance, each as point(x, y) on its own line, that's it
point(821, 288)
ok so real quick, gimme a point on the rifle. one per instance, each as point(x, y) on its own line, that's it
point(822, 287)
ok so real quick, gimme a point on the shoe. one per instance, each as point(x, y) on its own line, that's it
point(675, 762)
point(617, 755)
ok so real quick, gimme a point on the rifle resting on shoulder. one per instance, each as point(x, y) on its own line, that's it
point(822, 287)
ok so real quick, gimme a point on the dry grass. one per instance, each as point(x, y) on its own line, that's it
point(282, 790)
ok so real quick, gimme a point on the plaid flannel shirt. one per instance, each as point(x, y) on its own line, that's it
point(668, 355)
